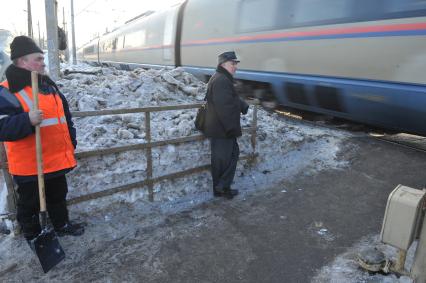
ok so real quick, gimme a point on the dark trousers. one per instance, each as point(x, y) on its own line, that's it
point(29, 204)
point(224, 158)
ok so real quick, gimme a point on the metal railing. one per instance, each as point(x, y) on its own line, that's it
point(149, 181)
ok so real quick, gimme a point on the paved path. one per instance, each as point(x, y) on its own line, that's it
point(281, 234)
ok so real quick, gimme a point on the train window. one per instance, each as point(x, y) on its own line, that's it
point(89, 50)
point(314, 12)
point(406, 6)
point(251, 20)
point(292, 13)
point(108, 45)
point(169, 29)
point(366, 10)
point(168, 36)
point(135, 39)
point(286, 14)
point(114, 44)
point(120, 42)
point(155, 30)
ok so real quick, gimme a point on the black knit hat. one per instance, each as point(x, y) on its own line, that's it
point(23, 45)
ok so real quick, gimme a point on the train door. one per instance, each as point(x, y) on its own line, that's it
point(168, 37)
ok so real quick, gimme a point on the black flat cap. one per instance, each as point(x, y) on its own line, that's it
point(23, 45)
point(227, 56)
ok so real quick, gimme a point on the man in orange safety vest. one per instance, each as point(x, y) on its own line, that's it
point(17, 122)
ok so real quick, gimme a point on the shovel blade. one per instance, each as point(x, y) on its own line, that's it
point(48, 249)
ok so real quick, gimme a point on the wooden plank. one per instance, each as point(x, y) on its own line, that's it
point(95, 152)
point(254, 129)
point(139, 146)
point(134, 110)
point(149, 156)
point(131, 186)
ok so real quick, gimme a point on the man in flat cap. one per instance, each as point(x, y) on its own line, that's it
point(222, 126)
point(17, 121)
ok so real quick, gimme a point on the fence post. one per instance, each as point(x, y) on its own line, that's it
point(149, 156)
point(254, 130)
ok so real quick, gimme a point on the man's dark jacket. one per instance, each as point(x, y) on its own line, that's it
point(224, 107)
point(15, 123)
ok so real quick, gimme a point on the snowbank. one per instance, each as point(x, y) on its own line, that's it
point(283, 146)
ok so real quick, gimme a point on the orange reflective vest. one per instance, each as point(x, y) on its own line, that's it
point(57, 148)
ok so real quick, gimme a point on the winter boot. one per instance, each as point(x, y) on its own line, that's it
point(218, 192)
point(72, 229)
point(230, 193)
point(226, 193)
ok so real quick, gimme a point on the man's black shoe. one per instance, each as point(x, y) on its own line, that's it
point(230, 193)
point(218, 193)
point(226, 193)
point(72, 229)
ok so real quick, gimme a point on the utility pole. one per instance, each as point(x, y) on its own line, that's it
point(64, 24)
point(74, 53)
point(30, 20)
point(39, 38)
point(52, 38)
point(63, 18)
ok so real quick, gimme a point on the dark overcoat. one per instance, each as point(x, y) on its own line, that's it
point(224, 107)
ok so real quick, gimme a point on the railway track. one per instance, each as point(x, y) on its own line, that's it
point(414, 142)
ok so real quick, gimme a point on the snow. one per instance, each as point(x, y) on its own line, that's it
point(109, 88)
point(285, 148)
point(345, 269)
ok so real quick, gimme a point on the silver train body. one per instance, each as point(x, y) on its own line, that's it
point(362, 60)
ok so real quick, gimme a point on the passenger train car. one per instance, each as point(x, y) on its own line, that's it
point(363, 60)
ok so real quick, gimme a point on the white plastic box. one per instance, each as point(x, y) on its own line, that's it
point(402, 216)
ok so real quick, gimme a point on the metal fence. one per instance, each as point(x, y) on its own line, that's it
point(149, 181)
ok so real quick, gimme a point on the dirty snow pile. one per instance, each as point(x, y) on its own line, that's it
point(345, 268)
point(284, 148)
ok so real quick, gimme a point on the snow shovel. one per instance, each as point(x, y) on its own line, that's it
point(46, 244)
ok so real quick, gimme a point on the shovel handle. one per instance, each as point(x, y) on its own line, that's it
point(39, 156)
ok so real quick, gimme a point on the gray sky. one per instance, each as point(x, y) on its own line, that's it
point(91, 16)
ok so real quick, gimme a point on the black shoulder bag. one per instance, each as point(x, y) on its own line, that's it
point(200, 119)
